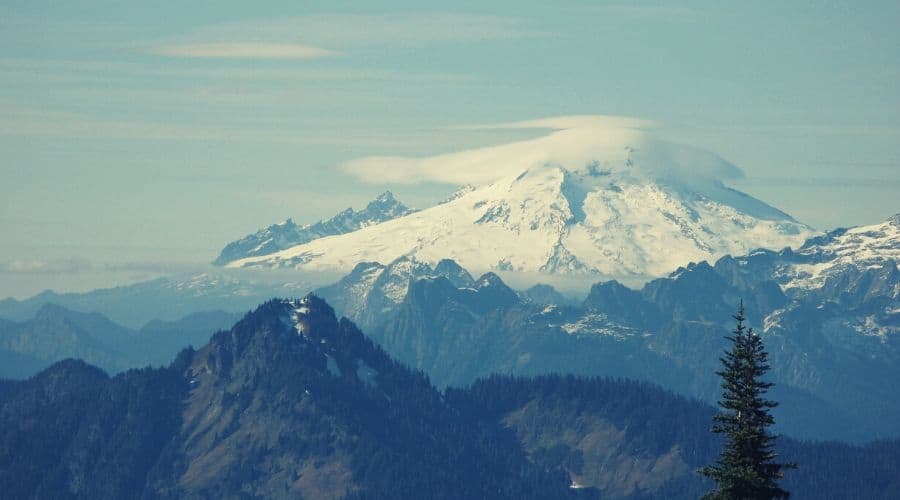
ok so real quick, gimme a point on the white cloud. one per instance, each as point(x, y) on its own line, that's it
point(367, 30)
point(288, 38)
point(573, 141)
point(567, 122)
point(243, 50)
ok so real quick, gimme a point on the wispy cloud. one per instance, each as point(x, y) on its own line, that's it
point(574, 141)
point(367, 30)
point(243, 50)
point(300, 37)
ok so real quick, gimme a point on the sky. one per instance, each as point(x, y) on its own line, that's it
point(138, 138)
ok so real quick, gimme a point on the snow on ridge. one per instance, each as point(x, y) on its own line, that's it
point(866, 247)
point(361, 288)
point(297, 318)
point(287, 234)
point(597, 324)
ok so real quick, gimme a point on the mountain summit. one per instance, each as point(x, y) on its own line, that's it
point(619, 203)
point(287, 234)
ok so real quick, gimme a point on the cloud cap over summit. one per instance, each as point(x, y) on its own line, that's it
point(579, 143)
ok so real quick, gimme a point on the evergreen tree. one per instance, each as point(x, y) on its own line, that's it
point(746, 468)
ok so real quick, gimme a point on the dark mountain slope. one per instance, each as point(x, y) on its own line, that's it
point(289, 402)
point(832, 348)
point(57, 333)
point(72, 432)
point(166, 299)
point(459, 334)
point(634, 440)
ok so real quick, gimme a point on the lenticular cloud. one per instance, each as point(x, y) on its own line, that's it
point(577, 143)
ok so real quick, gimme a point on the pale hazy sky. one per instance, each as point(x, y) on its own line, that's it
point(140, 137)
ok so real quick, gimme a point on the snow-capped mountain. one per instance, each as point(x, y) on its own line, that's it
point(830, 333)
point(629, 207)
point(841, 263)
point(287, 234)
point(823, 259)
point(846, 282)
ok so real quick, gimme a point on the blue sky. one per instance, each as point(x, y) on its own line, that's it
point(139, 138)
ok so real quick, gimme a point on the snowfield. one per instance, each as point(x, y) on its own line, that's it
point(868, 247)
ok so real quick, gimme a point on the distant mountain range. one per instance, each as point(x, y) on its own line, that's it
point(287, 234)
point(165, 299)
point(624, 216)
point(829, 311)
point(291, 402)
point(56, 333)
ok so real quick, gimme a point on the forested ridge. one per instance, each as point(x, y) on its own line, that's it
point(320, 411)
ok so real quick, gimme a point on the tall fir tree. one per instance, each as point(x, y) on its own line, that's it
point(746, 468)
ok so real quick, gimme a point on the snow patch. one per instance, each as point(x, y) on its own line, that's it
point(597, 324)
point(866, 247)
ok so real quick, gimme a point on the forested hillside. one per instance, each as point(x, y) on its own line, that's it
point(291, 402)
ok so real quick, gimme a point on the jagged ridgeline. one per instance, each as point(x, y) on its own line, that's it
point(828, 310)
point(287, 234)
point(292, 402)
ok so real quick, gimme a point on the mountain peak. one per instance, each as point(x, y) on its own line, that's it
point(488, 280)
point(457, 275)
point(544, 294)
point(492, 291)
point(280, 335)
point(821, 259)
point(277, 237)
point(385, 197)
point(592, 222)
point(384, 207)
point(52, 309)
point(597, 198)
point(692, 269)
point(311, 315)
